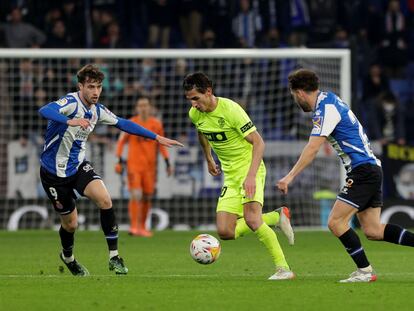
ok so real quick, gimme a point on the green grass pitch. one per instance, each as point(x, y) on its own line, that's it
point(164, 277)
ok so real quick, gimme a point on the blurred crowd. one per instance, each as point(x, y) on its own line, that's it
point(380, 34)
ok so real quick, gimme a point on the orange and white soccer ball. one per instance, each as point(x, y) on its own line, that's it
point(205, 249)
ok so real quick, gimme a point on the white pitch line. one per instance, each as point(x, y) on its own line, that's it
point(311, 275)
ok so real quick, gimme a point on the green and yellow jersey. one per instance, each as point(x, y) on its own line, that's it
point(226, 128)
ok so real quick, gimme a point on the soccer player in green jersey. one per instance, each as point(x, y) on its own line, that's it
point(226, 128)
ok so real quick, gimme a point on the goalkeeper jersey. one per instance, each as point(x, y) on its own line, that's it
point(225, 129)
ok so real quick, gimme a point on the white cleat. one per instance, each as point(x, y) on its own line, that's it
point(284, 224)
point(282, 274)
point(360, 276)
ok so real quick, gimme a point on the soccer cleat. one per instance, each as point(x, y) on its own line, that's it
point(360, 276)
point(75, 267)
point(141, 232)
point(116, 264)
point(282, 274)
point(284, 224)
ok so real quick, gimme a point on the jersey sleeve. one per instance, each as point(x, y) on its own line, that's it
point(325, 123)
point(241, 121)
point(65, 105)
point(106, 116)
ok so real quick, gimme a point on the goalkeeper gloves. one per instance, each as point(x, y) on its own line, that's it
point(119, 167)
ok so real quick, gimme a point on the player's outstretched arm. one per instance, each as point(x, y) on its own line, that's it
point(164, 141)
point(307, 156)
point(51, 112)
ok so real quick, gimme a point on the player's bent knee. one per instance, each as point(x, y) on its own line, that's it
point(226, 234)
point(254, 224)
point(70, 226)
point(105, 203)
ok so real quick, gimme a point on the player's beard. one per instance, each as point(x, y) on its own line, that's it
point(303, 105)
point(92, 100)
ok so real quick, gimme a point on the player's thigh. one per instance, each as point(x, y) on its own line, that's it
point(97, 192)
point(230, 200)
point(226, 223)
point(148, 182)
point(134, 179)
point(363, 187)
point(60, 194)
point(252, 212)
point(259, 194)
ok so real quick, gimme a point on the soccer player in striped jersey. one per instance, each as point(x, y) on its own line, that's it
point(64, 168)
point(362, 194)
point(226, 128)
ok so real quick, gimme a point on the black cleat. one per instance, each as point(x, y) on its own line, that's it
point(75, 267)
point(116, 264)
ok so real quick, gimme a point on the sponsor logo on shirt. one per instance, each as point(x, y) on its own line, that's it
point(216, 137)
point(62, 101)
point(246, 127)
point(317, 125)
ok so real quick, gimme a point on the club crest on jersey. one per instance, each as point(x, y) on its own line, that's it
point(221, 122)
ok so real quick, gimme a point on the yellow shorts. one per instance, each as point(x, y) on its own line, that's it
point(232, 198)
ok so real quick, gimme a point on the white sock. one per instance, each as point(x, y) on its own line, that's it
point(366, 269)
point(68, 259)
point(113, 253)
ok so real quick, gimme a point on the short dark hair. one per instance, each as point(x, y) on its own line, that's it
point(90, 73)
point(303, 79)
point(140, 97)
point(198, 80)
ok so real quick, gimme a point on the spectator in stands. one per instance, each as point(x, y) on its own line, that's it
point(74, 19)
point(247, 24)
point(219, 18)
point(208, 40)
point(324, 21)
point(394, 46)
point(374, 83)
point(112, 39)
point(160, 19)
point(19, 34)
point(299, 22)
point(58, 38)
point(387, 120)
point(53, 15)
point(190, 18)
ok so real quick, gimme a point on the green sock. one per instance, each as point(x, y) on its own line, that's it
point(268, 237)
point(270, 219)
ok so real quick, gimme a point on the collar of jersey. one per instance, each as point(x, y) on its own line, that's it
point(316, 101)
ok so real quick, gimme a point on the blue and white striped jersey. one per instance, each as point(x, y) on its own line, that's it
point(333, 118)
point(64, 148)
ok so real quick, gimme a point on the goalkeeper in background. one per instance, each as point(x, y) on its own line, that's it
point(362, 194)
point(64, 168)
point(141, 166)
point(224, 126)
